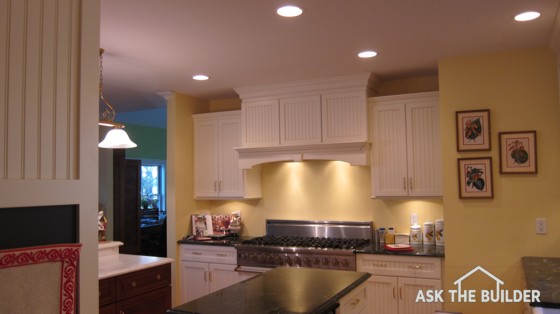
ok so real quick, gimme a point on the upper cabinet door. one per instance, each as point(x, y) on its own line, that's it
point(344, 117)
point(389, 165)
point(406, 153)
point(260, 121)
point(423, 147)
point(300, 120)
point(231, 177)
point(206, 155)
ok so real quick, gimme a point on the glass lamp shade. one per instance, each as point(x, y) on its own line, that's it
point(117, 138)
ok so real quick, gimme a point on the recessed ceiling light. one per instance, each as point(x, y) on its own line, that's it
point(527, 16)
point(200, 77)
point(289, 11)
point(367, 54)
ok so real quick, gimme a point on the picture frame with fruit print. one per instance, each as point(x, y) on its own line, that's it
point(475, 178)
point(518, 152)
point(473, 130)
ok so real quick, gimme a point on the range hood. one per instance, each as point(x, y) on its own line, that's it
point(321, 119)
point(354, 153)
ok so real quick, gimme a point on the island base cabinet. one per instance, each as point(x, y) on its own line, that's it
point(146, 291)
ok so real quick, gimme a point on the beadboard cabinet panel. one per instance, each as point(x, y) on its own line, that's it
point(300, 120)
point(344, 117)
point(406, 153)
point(217, 173)
point(260, 121)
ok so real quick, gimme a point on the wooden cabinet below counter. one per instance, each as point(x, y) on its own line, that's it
point(143, 291)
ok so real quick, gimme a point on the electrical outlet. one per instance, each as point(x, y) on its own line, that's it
point(541, 226)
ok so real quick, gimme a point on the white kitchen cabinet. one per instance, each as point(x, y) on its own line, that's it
point(300, 120)
point(396, 280)
point(406, 153)
point(216, 171)
point(205, 269)
point(260, 123)
point(344, 117)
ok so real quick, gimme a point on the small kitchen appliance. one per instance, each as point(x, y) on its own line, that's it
point(305, 243)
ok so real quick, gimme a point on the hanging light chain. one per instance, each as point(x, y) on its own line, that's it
point(109, 112)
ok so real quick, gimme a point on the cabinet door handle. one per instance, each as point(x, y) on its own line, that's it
point(215, 186)
point(404, 183)
point(400, 292)
point(394, 292)
point(220, 185)
point(416, 267)
point(158, 277)
point(355, 302)
point(197, 253)
point(133, 284)
point(210, 276)
point(410, 183)
point(205, 275)
point(221, 254)
point(379, 265)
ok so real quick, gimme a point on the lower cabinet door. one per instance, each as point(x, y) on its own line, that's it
point(153, 302)
point(194, 280)
point(221, 276)
point(408, 290)
point(383, 294)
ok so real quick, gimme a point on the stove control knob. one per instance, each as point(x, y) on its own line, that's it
point(335, 262)
point(269, 259)
point(288, 261)
point(278, 260)
point(245, 256)
point(316, 261)
point(307, 261)
point(326, 261)
point(297, 260)
point(260, 258)
point(345, 263)
point(253, 257)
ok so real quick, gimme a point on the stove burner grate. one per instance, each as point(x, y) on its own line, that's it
point(308, 242)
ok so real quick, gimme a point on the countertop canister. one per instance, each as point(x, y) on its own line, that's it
point(439, 232)
point(428, 233)
point(415, 234)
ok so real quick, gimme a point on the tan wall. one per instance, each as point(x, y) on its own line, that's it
point(520, 89)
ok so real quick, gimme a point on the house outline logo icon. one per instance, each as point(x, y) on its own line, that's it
point(460, 295)
point(477, 268)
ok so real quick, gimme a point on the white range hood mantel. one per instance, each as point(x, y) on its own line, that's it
point(356, 153)
point(319, 119)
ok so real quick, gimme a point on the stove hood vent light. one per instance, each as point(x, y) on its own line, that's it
point(355, 153)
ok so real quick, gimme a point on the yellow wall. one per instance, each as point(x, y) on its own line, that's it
point(520, 89)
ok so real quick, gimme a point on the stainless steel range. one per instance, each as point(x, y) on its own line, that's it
point(304, 243)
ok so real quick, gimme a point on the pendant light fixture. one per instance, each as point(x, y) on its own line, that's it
point(117, 137)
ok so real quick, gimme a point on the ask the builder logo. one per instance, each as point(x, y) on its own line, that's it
point(496, 295)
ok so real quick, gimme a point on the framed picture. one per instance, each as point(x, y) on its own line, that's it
point(518, 152)
point(202, 225)
point(475, 177)
point(473, 130)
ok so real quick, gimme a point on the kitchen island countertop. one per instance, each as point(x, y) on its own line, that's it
point(281, 290)
point(543, 274)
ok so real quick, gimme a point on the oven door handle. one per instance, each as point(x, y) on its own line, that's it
point(249, 269)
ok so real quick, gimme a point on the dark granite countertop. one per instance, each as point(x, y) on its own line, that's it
point(543, 274)
point(227, 241)
point(419, 250)
point(281, 290)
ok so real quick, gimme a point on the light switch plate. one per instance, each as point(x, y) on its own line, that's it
point(541, 226)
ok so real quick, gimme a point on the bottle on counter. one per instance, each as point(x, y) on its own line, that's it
point(381, 235)
point(390, 236)
point(415, 234)
point(439, 232)
point(428, 234)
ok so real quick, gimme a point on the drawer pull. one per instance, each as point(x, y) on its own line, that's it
point(133, 284)
point(414, 266)
point(355, 302)
point(221, 254)
point(379, 265)
point(197, 253)
point(121, 312)
point(158, 277)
